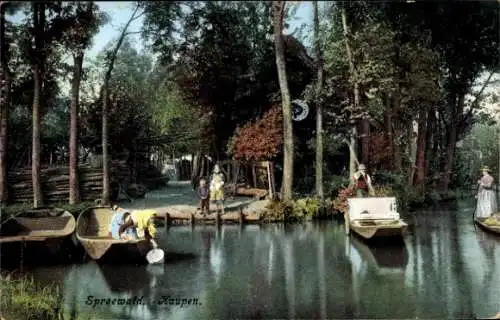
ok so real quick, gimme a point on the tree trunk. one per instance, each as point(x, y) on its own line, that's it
point(74, 192)
point(450, 153)
point(420, 164)
point(452, 142)
point(412, 150)
point(355, 80)
point(278, 15)
point(5, 84)
point(39, 25)
point(105, 96)
point(430, 142)
point(388, 130)
point(319, 105)
point(105, 156)
point(352, 152)
point(398, 161)
point(365, 142)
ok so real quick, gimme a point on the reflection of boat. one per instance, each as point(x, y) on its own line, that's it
point(131, 279)
point(484, 226)
point(43, 230)
point(375, 218)
point(85, 285)
point(92, 232)
point(386, 258)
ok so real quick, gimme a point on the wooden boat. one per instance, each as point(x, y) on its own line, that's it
point(486, 227)
point(38, 225)
point(40, 235)
point(375, 217)
point(92, 232)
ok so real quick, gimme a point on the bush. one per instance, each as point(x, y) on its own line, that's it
point(279, 210)
point(340, 205)
point(297, 210)
point(23, 299)
point(335, 184)
point(406, 196)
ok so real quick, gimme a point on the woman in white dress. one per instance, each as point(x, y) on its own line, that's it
point(486, 196)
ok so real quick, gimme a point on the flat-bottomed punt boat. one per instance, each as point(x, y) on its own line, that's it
point(38, 225)
point(32, 234)
point(92, 232)
point(374, 217)
point(481, 222)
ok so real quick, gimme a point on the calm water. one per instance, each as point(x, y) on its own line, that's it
point(445, 269)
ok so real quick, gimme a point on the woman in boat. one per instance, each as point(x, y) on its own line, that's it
point(118, 220)
point(486, 196)
point(217, 189)
point(143, 222)
point(362, 182)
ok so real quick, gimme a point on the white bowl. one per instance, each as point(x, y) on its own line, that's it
point(155, 256)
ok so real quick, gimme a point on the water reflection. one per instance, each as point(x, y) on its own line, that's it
point(444, 269)
point(385, 259)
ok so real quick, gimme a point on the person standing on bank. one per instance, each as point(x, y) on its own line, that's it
point(203, 194)
point(217, 189)
point(486, 197)
point(362, 182)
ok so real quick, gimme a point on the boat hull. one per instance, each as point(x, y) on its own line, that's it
point(37, 235)
point(484, 226)
point(92, 234)
point(379, 230)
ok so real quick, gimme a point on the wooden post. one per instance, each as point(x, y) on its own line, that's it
point(191, 219)
point(254, 176)
point(270, 180)
point(217, 219)
point(241, 216)
point(167, 220)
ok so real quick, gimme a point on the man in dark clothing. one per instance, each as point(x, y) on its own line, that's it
point(362, 182)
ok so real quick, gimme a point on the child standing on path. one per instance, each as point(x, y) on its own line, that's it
point(217, 189)
point(203, 193)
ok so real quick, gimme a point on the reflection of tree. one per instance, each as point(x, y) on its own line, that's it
point(464, 295)
point(321, 274)
point(290, 275)
point(488, 247)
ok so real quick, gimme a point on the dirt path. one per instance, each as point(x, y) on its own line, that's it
point(179, 196)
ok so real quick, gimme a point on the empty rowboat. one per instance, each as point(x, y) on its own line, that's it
point(37, 225)
point(34, 233)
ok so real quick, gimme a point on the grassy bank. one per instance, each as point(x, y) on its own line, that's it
point(23, 299)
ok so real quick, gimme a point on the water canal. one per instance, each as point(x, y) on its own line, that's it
point(444, 269)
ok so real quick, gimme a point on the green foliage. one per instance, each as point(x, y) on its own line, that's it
point(407, 197)
point(22, 298)
point(479, 148)
point(174, 115)
point(295, 210)
point(334, 184)
point(130, 114)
